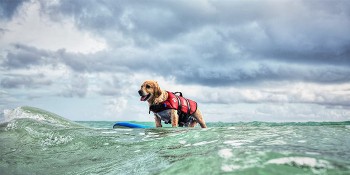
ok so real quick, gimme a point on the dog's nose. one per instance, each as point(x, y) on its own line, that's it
point(140, 92)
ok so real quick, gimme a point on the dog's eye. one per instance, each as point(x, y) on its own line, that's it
point(148, 86)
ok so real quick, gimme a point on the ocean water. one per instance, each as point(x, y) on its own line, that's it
point(34, 141)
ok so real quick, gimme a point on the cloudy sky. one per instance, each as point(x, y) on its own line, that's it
point(267, 60)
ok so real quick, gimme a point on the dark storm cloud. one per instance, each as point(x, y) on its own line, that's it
point(134, 18)
point(24, 81)
point(2, 31)
point(8, 8)
point(77, 62)
point(22, 56)
point(247, 75)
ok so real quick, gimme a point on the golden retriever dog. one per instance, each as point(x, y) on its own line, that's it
point(154, 95)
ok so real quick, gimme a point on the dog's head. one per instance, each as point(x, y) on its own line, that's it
point(149, 90)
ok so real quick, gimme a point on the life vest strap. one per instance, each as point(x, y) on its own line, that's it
point(178, 102)
point(188, 106)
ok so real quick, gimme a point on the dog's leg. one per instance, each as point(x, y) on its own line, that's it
point(157, 121)
point(174, 118)
point(193, 123)
point(199, 118)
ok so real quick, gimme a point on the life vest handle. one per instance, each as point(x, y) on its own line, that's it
point(178, 93)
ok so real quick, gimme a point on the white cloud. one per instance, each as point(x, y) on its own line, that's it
point(76, 87)
point(35, 29)
point(116, 106)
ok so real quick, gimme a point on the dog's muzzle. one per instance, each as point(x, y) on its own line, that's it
point(143, 96)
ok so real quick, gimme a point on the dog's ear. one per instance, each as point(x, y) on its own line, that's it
point(157, 90)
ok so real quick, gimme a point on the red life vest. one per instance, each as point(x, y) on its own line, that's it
point(186, 106)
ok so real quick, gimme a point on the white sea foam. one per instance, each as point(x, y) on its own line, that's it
point(11, 126)
point(225, 153)
point(123, 129)
point(301, 162)
point(182, 142)
point(109, 132)
point(10, 114)
point(312, 153)
point(53, 139)
point(302, 141)
point(229, 168)
point(151, 133)
point(236, 142)
point(277, 142)
point(204, 143)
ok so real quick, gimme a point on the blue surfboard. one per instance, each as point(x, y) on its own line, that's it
point(129, 125)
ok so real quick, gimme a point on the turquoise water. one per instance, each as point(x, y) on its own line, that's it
point(33, 141)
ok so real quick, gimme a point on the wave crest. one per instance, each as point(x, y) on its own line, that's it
point(36, 114)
